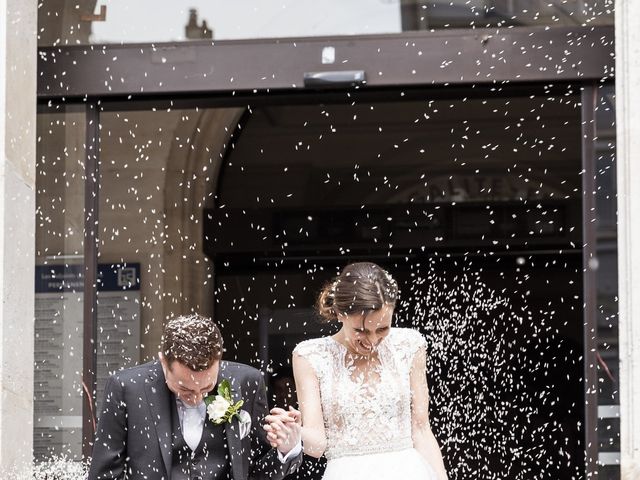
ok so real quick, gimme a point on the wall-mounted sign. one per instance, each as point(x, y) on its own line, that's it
point(58, 346)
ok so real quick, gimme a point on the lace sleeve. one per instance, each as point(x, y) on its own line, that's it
point(312, 351)
point(409, 343)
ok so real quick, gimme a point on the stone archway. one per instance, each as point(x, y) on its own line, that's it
point(190, 183)
point(158, 173)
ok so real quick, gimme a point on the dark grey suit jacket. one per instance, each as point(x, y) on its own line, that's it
point(133, 438)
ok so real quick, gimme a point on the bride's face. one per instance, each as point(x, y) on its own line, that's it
point(362, 334)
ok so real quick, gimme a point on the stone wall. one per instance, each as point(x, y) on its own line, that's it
point(628, 154)
point(17, 204)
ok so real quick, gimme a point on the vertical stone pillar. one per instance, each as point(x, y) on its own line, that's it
point(628, 170)
point(18, 54)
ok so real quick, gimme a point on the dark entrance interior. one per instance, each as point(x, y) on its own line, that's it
point(474, 204)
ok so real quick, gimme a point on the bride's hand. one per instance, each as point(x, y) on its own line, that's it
point(283, 428)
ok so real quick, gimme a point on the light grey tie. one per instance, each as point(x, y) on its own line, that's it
point(192, 424)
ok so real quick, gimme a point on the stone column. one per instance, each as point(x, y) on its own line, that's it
point(18, 21)
point(628, 171)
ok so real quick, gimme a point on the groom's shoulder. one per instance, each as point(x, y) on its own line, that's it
point(239, 370)
point(138, 374)
point(237, 367)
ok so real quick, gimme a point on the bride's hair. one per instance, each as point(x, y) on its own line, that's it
point(361, 287)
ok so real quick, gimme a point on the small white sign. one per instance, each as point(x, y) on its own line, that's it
point(328, 55)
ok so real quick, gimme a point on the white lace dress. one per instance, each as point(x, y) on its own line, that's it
point(367, 411)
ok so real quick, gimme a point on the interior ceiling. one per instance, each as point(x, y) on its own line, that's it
point(400, 113)
point(495, 130)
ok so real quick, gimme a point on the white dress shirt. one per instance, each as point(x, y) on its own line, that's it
point(191, 422)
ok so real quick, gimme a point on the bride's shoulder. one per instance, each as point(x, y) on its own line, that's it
point(405, 334)
point(406, 339)
point(316, 351)
point(313, 346)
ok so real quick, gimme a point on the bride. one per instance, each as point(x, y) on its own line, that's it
point(363, 392)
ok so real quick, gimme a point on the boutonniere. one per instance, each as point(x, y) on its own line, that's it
point(221, 407)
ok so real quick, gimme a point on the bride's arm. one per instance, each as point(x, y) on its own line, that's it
point(314, 441)
point(423, 439)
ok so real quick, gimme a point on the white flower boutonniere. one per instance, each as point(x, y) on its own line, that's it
point(221, 407)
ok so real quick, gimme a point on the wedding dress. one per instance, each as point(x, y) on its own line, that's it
point(367, 409)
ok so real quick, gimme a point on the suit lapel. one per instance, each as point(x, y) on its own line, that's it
point(235, 448)
point(232, 430)
point(159, 402)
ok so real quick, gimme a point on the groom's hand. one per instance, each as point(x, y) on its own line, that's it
point(284, 429)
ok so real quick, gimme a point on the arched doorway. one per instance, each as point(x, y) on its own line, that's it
point(479, 217)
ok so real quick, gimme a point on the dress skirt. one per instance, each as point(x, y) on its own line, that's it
point(405, 464)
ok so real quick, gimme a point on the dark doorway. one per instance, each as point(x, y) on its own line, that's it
point(474, 204)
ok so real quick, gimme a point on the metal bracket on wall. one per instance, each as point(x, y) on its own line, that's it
point(92, 17)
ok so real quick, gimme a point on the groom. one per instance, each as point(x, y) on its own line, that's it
point(156, 425)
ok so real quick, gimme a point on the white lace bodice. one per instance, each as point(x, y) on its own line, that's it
point(366, 410)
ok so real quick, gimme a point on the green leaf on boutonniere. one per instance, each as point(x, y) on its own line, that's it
point(220, 407)
point(224, 389)
point(233, 410)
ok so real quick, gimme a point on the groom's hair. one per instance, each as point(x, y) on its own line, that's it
point(193, 340)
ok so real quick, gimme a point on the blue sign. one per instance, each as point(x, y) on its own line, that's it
point(70, 278)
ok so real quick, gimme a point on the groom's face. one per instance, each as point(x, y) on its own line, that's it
point(188, 385)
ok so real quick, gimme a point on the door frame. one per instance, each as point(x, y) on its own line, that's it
point(267, 71)
point(271, 66)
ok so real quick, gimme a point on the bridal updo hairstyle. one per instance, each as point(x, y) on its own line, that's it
point(193, 340)
point(361, 288)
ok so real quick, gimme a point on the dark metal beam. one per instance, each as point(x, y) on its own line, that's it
point(463, 57)
point(589, 262)
point(90, 311)
point(195, 100)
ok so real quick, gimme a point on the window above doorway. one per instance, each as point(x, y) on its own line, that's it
point(149, 21)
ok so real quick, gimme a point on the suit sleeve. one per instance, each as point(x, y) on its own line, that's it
point(266, 464)
point(110, 443)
